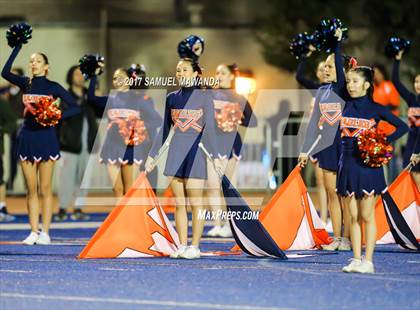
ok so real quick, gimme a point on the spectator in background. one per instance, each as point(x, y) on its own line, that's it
point(13, 95)
point(385, 93)
point(77, 136)
point(7, 125)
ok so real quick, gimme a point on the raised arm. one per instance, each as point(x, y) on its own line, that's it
point(99, 101)
point(339, 69)
point(402, 90)
point(302, 80)
point(400, 127)
point(6, 73)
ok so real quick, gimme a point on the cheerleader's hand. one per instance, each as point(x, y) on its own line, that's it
point(399, 55)
point(311, 50)
point(303, 159)
point(414, 159)
point(218, 164)
point(99, 70)
point(149, 165)
point(338, 34)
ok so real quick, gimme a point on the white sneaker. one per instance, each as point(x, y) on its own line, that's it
point(44, 238)
point(364, 267)
point(354, 262)
point(192, 252)
point(345, 244)
point(214, 232)
point(178, 252)
point(225, 231)
point(333, 246)
point(31, 239)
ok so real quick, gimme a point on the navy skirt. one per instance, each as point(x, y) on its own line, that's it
point(354, 177)
point(38, 144)
point(328, 158)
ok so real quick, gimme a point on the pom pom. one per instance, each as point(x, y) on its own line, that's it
point(18, 34)
point(47, 111)
point(191, 47)
point(324, 35)
point(132, 130)
point(299, 46)
point(229, 117)
point(395, 45)
point(374, 149)
point(89, 64)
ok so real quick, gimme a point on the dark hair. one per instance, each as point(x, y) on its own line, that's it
point(69, 76)
point(44, 57)
point(382, 69)
point(367, 74)
point(137, 71)
point(194, 64)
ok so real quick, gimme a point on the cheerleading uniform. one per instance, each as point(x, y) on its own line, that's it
point(124, 105)
point(36, 142)
point(326, 115)
point(413, 101)
point(354, 177)
point(228, 139)
point(190, 111)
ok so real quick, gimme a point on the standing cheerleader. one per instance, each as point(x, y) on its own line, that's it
point(132, 122)
point(38, 146)
point(325, 117)
point(227, 105)
point(309, 84)
point(358, 182)
point(412, 149)
point(190, 112)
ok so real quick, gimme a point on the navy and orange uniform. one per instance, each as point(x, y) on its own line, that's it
point(413, 101)
point(35, 142)
point(190, 112)
point(325, 119)
point(227, 138)
point(354, 177)
point(122, 106)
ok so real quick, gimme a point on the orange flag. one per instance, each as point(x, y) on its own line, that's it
point(407, 197)
point(136, 227)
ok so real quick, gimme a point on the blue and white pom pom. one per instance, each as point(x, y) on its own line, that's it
point(89, 64)
point(299, 46)
point(18, 34)
point(191, 47)
point(395, 45)
point(324, 35)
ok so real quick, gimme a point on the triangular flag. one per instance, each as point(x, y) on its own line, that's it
point(136, 227)
point(290, 216)
point(404, 193)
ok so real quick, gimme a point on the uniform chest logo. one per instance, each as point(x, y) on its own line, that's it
point(122, 113)
point(330, 113)
point(353, 126)
point(29, 100)
point(185, 119)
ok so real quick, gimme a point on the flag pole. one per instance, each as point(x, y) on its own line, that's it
point(211, 159)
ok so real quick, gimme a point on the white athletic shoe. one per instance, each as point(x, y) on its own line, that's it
point(364, 267)
point(178, 252)
point(31, 239)
point(44, 238)
point(333, 246)
point(225, 231)
point(354, 262)
point(192, 252)
point(345, 244)
point(214, 232)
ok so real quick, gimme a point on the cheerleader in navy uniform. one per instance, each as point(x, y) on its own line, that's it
point(126, 111)
point(358, 182)
point(325, 119)
point(312, 85)
point(227, 103)
point(190, 112)
point(38, 146)
point(412, 149)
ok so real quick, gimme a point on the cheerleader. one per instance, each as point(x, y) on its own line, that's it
point(326, 99)
point(128, 112)
point(412, 149)
point(38, 146)
point(190, 112)
point(228, 140)
point(310, 84)
point(358, 183)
